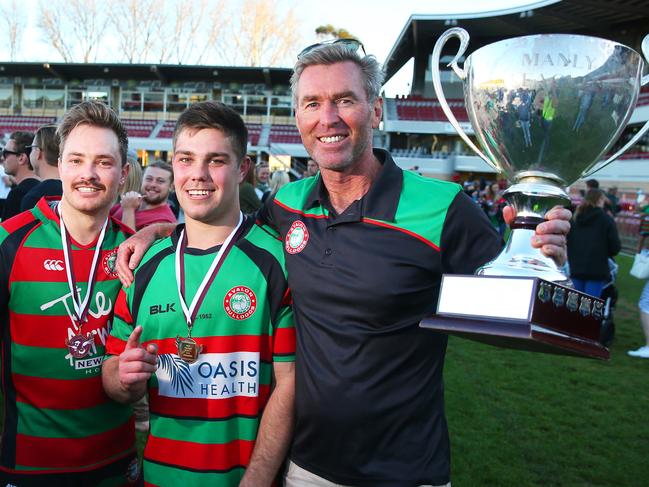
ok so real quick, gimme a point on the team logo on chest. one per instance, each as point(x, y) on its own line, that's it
point(296, 238)
point(108, 263)
point(240, 302)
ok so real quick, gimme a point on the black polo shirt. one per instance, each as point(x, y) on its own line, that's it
point(369, 390)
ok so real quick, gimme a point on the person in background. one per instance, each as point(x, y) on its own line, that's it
point(139, 210)
point(643, 303)
point(592, 239)
point(613, 203)
point(248, 199)
point(16, 156)
point(277, 180)
point(262, 174)
point(44, 158)
point(133, 181)
point(311, 168)
point(5, 185)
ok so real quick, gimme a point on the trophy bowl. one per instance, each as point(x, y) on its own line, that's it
point(544, 109)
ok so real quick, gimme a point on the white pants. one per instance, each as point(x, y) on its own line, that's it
point(298, 477)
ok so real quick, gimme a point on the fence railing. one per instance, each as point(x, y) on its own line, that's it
point(628, 227)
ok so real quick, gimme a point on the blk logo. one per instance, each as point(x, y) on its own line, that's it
point(53, 265)
point(161, 308)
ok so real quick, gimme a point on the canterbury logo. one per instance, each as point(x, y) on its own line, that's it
point(53, 265)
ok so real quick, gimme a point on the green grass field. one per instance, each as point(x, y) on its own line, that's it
point(527, 419)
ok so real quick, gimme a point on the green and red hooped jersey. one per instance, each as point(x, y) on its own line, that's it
point(205, 415)
point(59, 423)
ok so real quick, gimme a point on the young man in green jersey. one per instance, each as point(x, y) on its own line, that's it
point(56, 305)
point(214, 342)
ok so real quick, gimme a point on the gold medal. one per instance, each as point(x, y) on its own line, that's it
point(188, 349)
point(79, 346)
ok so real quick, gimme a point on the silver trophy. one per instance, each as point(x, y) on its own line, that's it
point(545, 109)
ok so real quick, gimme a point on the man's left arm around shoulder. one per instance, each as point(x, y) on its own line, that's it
point(275, 430)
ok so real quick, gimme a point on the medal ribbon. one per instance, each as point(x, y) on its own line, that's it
point(190, 313)
point(80, 308)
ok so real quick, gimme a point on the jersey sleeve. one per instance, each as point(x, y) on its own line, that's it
point(267, 218)
point(284, 331)
point(122, 324)
point(468, 238)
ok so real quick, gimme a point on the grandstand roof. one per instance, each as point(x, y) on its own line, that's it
point(165, 73)
point(625, 21)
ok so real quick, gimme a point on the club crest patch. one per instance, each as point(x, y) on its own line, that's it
point(240, 302)
point(108, 263)
point(296, 238)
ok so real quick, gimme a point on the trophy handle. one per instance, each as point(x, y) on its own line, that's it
point(638, 135)
point(463, 36)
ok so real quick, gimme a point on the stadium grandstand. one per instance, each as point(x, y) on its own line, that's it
point(149, 97)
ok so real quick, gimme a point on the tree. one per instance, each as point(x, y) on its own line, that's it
point(261, 35)
point(331, 31)
point(135, 23)
point(13, 25)
point(73, 27)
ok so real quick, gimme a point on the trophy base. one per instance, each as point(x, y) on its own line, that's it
point(525, 313)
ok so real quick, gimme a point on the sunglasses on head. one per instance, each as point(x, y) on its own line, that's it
point(351, 44)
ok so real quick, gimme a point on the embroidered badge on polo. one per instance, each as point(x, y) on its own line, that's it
point(108, 263)
point(296, 238)
point(240, 302)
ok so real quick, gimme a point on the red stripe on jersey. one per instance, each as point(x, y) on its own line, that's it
point(115, 346)
point(126, 230)
point(299, 212)
point(18, 221)
point(32, 451)
point(121, 308)
point(287, 299)
point(58, 393)
point(198, 456)
point(284, 341)
point(208, 408)
point(222, 344)
point(48, 265)
point(29, 330)
point(403, 230)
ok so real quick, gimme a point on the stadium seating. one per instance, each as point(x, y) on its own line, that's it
point(139, 128)
point(427, 110)
point(13, 123)
point(284, 134)
point(254, 131)
point(167, 130)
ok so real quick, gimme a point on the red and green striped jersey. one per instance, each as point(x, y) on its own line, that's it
point(205, 415)
point(60, 427)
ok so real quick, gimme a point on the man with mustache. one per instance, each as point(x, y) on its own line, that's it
point(58, 287)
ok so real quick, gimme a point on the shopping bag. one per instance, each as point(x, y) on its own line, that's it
point(640, 268)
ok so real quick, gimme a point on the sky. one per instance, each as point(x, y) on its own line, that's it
point(377, 23)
